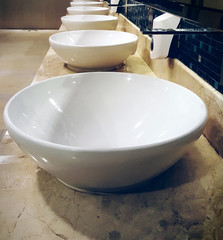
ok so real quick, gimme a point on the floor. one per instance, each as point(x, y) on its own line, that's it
point(21, 54)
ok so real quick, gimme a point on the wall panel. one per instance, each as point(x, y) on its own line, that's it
point(32, 14)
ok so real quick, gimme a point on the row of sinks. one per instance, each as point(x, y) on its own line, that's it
point(96, 46)
point(88, 15)
point(103, 131)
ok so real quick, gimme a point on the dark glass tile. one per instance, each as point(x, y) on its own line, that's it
point(202, 53)
point(215, 68)
point(220, 89)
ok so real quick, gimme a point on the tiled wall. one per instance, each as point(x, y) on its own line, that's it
point(202, 53)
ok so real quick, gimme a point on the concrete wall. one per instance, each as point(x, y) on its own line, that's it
point(32, 14)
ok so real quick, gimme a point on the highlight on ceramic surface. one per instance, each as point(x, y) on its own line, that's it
point(102, 131)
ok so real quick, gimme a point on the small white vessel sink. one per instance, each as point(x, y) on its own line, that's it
point(88, 10)
point(90, 22)
point(93, 49)
point(86, 3)
point(104, 131)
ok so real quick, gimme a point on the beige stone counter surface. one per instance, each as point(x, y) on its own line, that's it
point(185, 202)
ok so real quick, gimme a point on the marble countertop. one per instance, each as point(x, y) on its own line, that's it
point(185, 202)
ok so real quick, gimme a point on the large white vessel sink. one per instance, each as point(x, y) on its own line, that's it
point(88, 10)
point(90, 22)
point(94, 49)
point(102, 131)
point(86, 3)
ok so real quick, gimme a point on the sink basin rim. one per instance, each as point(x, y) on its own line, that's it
point(90, 21)
point(101, 18)
point(86, 3)
point(164, 144)
point(87, 8)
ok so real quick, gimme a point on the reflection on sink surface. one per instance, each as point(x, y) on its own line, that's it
point(93, 49)
point(90, 22)
point(102, 131)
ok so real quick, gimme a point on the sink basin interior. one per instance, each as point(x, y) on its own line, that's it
point(106, 111)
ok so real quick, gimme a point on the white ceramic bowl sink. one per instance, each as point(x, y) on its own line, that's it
point(86, 3)
point(88, 10)
point(102, 131)
point(87, 22)
point(93, 49)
